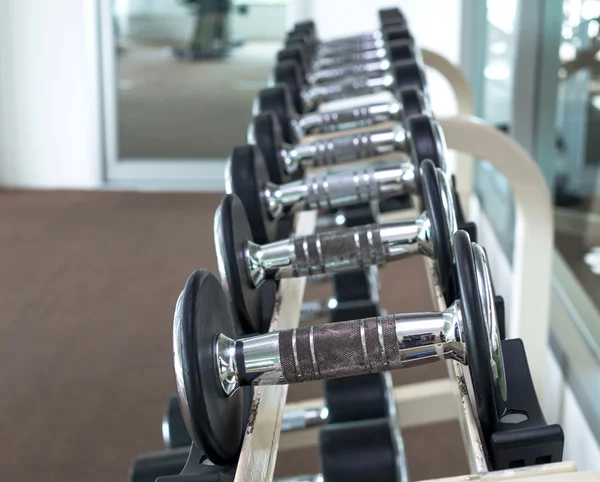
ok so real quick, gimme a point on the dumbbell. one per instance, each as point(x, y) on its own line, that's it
point(378, 419)
point(211, 364)
point(419, 136)
point(306, 97)
point(248, 172)
point(295, 126)
point(348, 399)
point(397, 45)
point(245, 265)
point(340, 47)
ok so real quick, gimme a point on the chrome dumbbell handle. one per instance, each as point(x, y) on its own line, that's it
point(337, 72)
point(373, 52)
point(321, 122)
point(335, 251)
point(352, 42)
point(304, 418)
point(350, 87)
point(312, 310)
point(341, 188)
point(355, 46)
point(345, 148)
point(342, 349)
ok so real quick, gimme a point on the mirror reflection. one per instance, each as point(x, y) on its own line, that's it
point(187, 72)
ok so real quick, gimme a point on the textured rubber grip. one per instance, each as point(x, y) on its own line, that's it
point(335, 251)
point(341, 349)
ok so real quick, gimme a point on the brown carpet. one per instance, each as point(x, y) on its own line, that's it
point(89, 281)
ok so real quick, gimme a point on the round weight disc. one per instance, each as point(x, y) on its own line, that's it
point(269, 139)
point(413, 102)
point(307, 26)
point(358, 451)
point(401, 49)
point(232, 231)
point(408, 73)
point(249, 177)
point(440, 237)
point(475, 329)
point(174, 430)
point(424, 143)
point(279, 101)
point(302, 40)
point(395, 31)
point(290, 72)
point(285, 227)
point(215, 419)
point(296, 53)
point(356, 398)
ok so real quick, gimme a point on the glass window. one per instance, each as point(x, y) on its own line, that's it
point(576, 186)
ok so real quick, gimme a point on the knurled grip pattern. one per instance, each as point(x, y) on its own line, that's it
point(336, 121)
point(356, 57)
point(343, 149)
point(330, 191)
point(340, 90)
point(346, 70)
point(342, 48)
point(341, 349)
point(335, 251)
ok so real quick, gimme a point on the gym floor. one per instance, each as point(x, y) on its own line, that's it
point(88, 289)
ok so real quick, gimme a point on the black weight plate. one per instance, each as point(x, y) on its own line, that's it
point(413, 102)
point(401, 49)
point(306, 25)
point(285, 227)
point(269, 139)
point(408, 73)
point(233, 233)
point(290, 73)
point(302, 38)
point(279, 101)
point(296, 53)
point(389, 13)
point(440, 237)
point(249, 177)
point(216, 419)
point(358, 451)
point(477, 340)
point(268, 299)
point(424, 143)
point(175, 434)
point(395, 30)
point(356, 398)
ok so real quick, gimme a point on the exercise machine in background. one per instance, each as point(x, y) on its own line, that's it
point(211, 37)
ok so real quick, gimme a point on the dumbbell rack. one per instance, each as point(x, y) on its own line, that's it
point(528, 319)
point(429, 402)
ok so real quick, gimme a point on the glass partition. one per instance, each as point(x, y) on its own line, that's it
point(576, 183)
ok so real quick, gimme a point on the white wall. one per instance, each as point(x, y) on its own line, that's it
point(49, 94)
